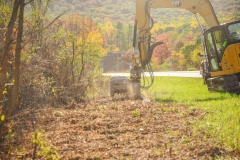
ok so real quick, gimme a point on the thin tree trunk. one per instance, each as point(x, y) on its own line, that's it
point(84, 42)
point(15, 94)
point(72, 63)
point(82, 68)
point(4, 64)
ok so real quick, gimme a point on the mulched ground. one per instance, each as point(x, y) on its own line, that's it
point(106, 129)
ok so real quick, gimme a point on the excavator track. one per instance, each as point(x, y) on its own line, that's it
point(228, 83)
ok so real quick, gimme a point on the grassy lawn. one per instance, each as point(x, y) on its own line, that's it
point(222, 110)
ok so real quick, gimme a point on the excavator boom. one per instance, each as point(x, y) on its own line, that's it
point(144, 23)
point(202, 7)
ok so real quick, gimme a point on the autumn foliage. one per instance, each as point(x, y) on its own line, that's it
point(47, 61)
point(163, 51)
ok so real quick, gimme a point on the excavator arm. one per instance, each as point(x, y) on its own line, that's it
point(144, 23)
point(142, 27)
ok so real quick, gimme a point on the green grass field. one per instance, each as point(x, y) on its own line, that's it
point(222, 118)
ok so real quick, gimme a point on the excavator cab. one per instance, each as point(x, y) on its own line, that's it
point(222, 47)
point(217, 39)
point(215, 42)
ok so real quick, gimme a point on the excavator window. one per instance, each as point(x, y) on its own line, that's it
point(209, 44)
point(234, 36)
point(214, 64)
point(211, 51)
point(220, 40)
point(234, 30)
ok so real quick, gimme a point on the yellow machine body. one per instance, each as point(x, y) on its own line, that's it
point(230, 62)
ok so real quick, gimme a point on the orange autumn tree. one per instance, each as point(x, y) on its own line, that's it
point(162, 52)
point(78, 57)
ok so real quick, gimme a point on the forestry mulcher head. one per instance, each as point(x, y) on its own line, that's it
point(122, 85)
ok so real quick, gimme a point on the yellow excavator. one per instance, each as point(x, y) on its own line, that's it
point(221, 58)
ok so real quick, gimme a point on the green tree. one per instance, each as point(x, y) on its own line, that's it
point(187, 51)
point(196, 60)
point(119, 34)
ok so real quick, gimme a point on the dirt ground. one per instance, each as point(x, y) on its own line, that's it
point(106, 129)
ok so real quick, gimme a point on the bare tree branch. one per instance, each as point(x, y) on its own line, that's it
point(28, 2)
point(38, 31)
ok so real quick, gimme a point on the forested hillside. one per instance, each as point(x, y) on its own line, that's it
point(115, 18)
point(125, 10)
